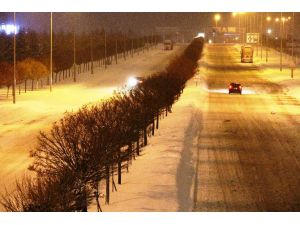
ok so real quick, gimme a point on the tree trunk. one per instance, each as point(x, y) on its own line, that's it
point(157, 119)
point(25, 85)
point(32, 81)
point(97, 197)
point(107, 184)
point(7, 91)
point(138, 146)
point(19, 89)
point(145, 136)
point(153, 126)
point(113, 185)
point(119, 167)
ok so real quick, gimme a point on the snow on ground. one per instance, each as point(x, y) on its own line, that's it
point(161, 179)
point(37, 110)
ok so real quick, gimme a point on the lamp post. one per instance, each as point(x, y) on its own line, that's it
point(234, 14)
point(74, 52)
point(14, 78)
point(276, 21)
point(217, 18)
point(269, 31)
point(51, 49)
point(281, 26)
point(261, 31)
point(105, 53)
point(293, 61)
point(92, 55)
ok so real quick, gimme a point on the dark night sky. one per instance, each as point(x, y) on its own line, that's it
point(145, 22)
point(137, 22)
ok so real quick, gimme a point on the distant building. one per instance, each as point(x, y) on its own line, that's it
point(224, 34)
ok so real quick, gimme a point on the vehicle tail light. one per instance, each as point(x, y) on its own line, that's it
point(230, 86)
point(240, 87)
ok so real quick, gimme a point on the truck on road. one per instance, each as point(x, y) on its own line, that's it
point(168, 45)
point(247, 54)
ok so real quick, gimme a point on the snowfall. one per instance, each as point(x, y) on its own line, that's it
point(162, 177)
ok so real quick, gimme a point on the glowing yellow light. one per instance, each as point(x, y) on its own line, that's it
point(277, 19)
point(217, 17)
point(269, 18)
point(283, 19)
point(234, 14)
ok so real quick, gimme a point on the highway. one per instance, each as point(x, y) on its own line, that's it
point(248, 156)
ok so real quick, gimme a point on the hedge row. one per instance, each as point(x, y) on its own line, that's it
point(98, 141)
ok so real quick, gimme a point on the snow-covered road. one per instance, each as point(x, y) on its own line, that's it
point(249, 155)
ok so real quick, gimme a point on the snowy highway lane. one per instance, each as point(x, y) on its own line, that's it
point(248, 156)
point(37, 110)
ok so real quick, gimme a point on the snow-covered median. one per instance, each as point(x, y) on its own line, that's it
point(162, 178)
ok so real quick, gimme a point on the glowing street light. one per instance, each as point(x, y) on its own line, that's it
point(217, 18)
point(269, 18)
point(277, 19)
point(269, 31)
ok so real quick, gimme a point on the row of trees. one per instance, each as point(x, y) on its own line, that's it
point(27, 69)
point(96, 143)
point(88, 50)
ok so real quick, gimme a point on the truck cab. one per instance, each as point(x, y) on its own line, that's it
point(247, 54)
point(168, 45)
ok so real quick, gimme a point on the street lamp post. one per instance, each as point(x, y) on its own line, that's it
point(269, 31)
point(105, 60)
point(281, 20)
point(74, 53)
point(14, 78)
point(116, 50)
point(216, 18)
point(51, 49)
point(293, 61)
point(92, 56)
point(261, 31)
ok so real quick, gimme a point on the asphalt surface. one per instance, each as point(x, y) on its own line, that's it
point(248, 146)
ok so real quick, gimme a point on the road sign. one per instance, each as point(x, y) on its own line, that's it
point(252, 38)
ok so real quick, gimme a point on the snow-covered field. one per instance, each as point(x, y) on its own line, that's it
point(37, 110)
